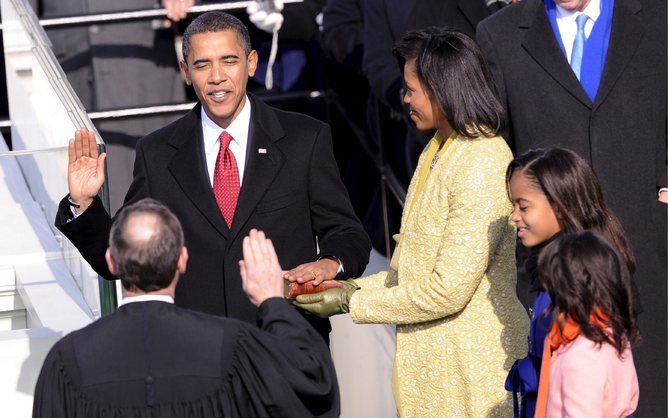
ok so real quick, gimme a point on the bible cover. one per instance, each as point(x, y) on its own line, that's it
point(294, 289)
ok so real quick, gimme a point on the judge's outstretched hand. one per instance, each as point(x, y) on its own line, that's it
point(261, 275)
point(85, 170)
point(328, 302)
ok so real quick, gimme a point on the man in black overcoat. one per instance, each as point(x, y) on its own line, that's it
point(287, 182)
point(620, 129)
point(152, 358)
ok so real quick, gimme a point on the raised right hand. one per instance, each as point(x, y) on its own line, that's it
point(85, 170)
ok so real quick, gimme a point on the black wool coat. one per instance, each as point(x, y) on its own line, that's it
point(292, 191)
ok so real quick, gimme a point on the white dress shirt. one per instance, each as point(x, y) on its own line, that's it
point(238, 129)
point(146, 298)
point(568, 27)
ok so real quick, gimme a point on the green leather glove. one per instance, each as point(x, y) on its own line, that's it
point(329, 302)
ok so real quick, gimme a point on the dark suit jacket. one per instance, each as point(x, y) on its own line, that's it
point(386, 21)
point(384, 24)
point(622, 134)
point(293, 192)
point(156, 359)
point(463, 15)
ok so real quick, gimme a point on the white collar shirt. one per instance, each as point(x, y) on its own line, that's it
point(146, 298)
point(568, 27)
point(238, 129)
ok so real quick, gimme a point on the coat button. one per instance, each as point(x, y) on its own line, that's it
point(149, 379)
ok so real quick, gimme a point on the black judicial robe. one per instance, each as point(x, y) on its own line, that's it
point(155, 359)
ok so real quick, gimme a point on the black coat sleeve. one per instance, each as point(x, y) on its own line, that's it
point(340, 233)
point(462, 15)
point(485, 41)
point(284, 366)
point(299, 21)
point(378, 63)
point(342, 34)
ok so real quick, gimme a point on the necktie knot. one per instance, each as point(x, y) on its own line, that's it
point(581, 20)
point(225, 139)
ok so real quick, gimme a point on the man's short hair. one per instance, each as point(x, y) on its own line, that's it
point(216, 22)
point(145, 244)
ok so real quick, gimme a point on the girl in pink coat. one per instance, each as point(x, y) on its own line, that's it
point(588, 368)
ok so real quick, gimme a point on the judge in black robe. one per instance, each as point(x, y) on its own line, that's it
point(155, 359)
point(151, 358)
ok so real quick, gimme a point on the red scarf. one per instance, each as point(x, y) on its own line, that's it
point(553, 341)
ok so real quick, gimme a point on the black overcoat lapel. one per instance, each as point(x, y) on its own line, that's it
point(264, 162)
point(541, 43)
point(188, 168)
point(627, 31)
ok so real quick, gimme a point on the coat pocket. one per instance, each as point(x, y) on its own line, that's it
point(275, 203)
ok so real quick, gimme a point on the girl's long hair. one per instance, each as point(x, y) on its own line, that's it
point(573, 190)
point(584, 276)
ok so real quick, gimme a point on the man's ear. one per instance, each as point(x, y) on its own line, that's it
point(183, 260)
point(184, 70)
point(252, 63)
point(110, 262)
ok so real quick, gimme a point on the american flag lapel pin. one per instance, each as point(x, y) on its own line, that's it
point(261, 150)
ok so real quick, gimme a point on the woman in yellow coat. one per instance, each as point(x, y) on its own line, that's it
point(451, 284)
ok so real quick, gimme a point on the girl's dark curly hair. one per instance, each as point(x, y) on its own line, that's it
point(584, 275)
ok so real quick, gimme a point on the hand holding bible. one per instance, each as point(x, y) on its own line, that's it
point(330, 302)
point(316, 271)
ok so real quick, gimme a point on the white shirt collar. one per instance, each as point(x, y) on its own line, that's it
point(238, 129)
point(146, 298)
point(593, 10)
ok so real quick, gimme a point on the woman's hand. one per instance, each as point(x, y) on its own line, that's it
point(329, 302)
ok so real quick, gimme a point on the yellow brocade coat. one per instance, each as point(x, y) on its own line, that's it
point(451, 287)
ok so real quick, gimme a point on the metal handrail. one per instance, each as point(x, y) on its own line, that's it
point(135, 15)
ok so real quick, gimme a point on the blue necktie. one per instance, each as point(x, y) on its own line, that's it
point(578, 45)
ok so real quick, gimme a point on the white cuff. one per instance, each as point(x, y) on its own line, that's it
point(74, 212)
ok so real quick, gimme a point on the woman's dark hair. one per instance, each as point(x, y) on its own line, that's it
point(584, 275)
point(456, 77)
point(573, 190)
